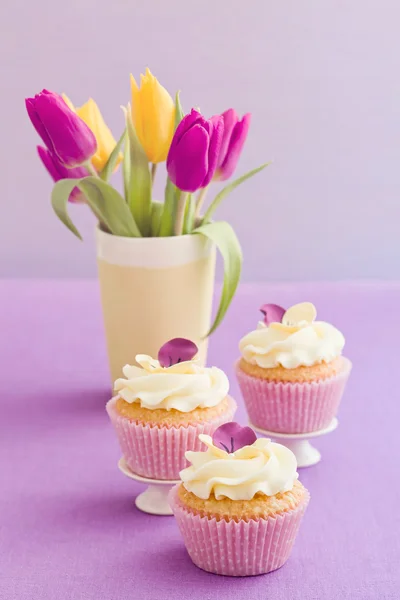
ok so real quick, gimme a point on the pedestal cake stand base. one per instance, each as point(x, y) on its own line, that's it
point(154, 500)
point(298, 443)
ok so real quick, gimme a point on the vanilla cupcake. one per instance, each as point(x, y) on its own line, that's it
point(292, 373)
point(163, 405)
point(240, 503)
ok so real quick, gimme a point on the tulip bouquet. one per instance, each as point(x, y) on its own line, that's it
point(81, 154)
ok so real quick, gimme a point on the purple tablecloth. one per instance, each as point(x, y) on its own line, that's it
point(68, 525)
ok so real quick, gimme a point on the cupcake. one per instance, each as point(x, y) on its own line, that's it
point(240, 503)
point(162, 406)
point(292, 373)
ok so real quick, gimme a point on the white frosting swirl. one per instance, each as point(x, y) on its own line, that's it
point(183, 387)
point(264, 467)
point(292, 344)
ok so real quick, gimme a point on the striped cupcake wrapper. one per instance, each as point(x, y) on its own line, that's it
point(286, 407)
point(159, 452)
point(238, 548)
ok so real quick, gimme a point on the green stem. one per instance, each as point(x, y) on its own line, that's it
point(197, 222)
point(188, 221)
point(180, 213)
point(102, 225)
point(153, 172)
point(200, 200)
point(91, 169)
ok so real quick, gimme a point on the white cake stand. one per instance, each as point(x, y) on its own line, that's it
point(154, 500)
point(306, 455)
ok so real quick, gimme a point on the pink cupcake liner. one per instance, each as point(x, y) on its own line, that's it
point(286, 407)
point(238, 548)
point(159, 452)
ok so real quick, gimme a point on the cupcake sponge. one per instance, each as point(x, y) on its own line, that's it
point(161, 417)
point(261, 506)
point(301, 374)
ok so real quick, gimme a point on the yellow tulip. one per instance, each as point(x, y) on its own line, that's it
point(153, 115)
point(91, 115)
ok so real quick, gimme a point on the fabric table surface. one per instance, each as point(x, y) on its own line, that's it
point(68, 525)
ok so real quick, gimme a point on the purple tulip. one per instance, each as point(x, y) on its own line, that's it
point(235, 134)
point(176, 351)
point(63, 132)
point(232, 436)
point(194, 151)
point(273, 313)
point(58, 171)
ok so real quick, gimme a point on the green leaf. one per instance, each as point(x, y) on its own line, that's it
point(109, 206)
point(156, 212)
point(106, 203)
point(179, 114)
point(171, 191)
point(109, 167)
point(126, 168)
point(170, 203)
point(227, 189)
point(190, 208)
point(139, 187)
point(59, 201)
point(222, 234)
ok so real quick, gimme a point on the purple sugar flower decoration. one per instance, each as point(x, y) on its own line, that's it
point(176, 351)
point(273, 313)
point(232, 436)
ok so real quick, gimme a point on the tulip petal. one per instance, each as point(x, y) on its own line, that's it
point(68, 102)
point(37, 123)
point(153, 115)
point(236, 144)
point(230, 119)
point(186, 123)
point(188, 165)
point(71, 139)
point(54, 169)
point(91, 115)
point(217, 132)
point(159, 120)
point(58, 171)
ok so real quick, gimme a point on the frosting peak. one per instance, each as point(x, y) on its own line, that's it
point(183, 386)
point(298, 340)
point(262, 467)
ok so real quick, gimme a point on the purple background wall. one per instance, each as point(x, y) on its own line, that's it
point(322, 82)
